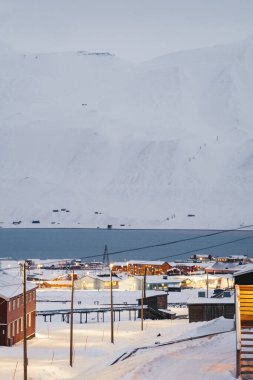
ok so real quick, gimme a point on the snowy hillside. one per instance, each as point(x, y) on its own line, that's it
point(140, 144)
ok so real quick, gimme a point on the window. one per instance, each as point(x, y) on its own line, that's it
point(13, 304)
point(22, 321)
point(13, 328)
point(10, 306)
point(29, 320)
point(17, 327)
point(17, 303)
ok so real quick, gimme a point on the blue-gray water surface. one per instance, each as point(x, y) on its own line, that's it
point(81, 243)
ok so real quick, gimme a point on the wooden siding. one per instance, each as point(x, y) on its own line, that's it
point(11, 314)
point(207, 312)
point(246, 303)
point(244, 279)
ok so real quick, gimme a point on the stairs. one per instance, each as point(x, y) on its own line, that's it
point(245, 333)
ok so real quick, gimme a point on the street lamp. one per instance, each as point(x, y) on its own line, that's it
point(112, 335)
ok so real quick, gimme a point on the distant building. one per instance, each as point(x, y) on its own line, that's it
point(201, 258)
point(188, 268)
point(163, 282)
point(229, 264)
point(11, 310)
point(99, 282)
point(138, 267)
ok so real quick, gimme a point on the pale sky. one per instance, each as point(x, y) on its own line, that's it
point(135, 30)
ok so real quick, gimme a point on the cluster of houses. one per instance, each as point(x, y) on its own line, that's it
point(160, 275)
point(124, 276)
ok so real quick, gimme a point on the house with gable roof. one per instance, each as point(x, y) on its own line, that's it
point(11, 309)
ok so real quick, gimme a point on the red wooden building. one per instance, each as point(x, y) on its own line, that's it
point(11, 309)
point(138, 267)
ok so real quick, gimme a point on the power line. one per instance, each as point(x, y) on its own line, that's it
point(157, 245)
point(204, 248)
point(169, 243)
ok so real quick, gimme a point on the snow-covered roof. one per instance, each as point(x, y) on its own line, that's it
point(159, 279)
point(149, 262)
point(189, 264)
point(220, 265)
point(101, 278)
point(238, 257)
point(120, 263)
point(201, 300)
point(246, 269)
point(12, 286)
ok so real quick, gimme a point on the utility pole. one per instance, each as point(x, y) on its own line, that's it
point(71, 320)
point(25, 359)
point(142, 296)
point(112, 326)
point(207, 285)
point(145, 281)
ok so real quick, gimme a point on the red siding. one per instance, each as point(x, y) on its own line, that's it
point(12, 315)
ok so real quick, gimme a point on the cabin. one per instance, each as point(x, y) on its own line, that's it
point(156, 307)
point(11, 310)
point(210, 308)
point(244, 276)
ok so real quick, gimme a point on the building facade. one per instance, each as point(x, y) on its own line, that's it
point(11, 310)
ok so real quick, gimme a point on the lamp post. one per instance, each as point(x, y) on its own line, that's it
point(71, 320)
point(112, 327)
point(142, 295)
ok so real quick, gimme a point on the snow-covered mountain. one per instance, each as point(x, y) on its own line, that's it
point(134, 144)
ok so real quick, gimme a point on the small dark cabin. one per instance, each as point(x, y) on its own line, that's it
point(245, 276)
point(210, 309)
point(156, 307)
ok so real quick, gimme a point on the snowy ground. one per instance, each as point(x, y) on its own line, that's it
point(206, 358)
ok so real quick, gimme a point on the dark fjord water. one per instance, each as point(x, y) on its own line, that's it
point(77, 243)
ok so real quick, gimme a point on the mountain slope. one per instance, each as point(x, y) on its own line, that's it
point(121, 143)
